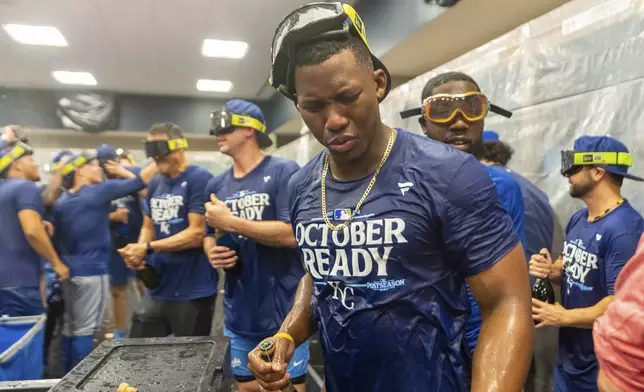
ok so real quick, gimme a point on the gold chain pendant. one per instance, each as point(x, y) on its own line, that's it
point(325, 170)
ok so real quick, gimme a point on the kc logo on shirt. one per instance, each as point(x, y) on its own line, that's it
point(248, 205)
point(577, 264)
point(164, 210)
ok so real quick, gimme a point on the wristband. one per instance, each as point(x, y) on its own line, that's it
point(148, 249)
point(285, 336)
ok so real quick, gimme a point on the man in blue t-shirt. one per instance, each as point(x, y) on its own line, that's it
point(390, 226)
point(23, 239)
point(600, 239)
point(454, 112)
point(81, 221)
point(182, 300)
point(248, 205)
point(126, 219)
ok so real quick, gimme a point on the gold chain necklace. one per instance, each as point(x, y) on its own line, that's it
point(606, 212)
point(325, 170)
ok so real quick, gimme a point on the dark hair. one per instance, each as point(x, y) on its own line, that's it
point(315, 53)
point(498, 152)
point(446, 77)
point(172, 131)
point(615, 179)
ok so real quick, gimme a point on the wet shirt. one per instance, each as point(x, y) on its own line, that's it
point(187, 274)
point(81, 221)
point(389, 289)
point(125, 233)
point(593, 256)
point(20, 264)
point(261, 287)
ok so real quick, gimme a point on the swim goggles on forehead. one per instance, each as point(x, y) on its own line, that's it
point(572, 161)
point(86, 157)
point(442, 108)
point(310, 23)
point(18, 150)
point(224, 122)
point(161, 148)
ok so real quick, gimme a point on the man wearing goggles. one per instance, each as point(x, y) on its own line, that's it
point(23, 239)
point(171, 243)
point(600, 239)
point(249, 202)
point(390, 225)
point(81, 219)
point(453, 113)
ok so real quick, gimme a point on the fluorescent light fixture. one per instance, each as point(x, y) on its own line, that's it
point(81, 78)
point(224, 49)
point(220, 86)
point(35, 35)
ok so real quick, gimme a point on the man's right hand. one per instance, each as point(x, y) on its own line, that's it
point(541, 264)
point(222, 257)
point(120, 215)
point(61, 270)
point(272, 376)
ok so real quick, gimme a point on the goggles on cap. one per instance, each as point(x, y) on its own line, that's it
point(572, 161)
point(18, 150)
point(223, 122)
point(86, 157)
point(442, 108)
point(308, 23)
point(121, 153)
point(161, 148)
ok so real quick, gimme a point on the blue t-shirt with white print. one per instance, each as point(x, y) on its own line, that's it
point(20, 264)
point(81, 221)
point(389, 289)
point(593, 255)
point(260, 289)
point(187, 274)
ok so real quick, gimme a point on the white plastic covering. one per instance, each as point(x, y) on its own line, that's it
point(577, 70)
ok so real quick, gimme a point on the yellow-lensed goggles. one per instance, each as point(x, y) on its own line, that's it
point(19, 149)
point(442, 108)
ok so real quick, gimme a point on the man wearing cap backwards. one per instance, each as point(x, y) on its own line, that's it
point(250, 203)
point(390, 225)
point(81, 219)
point(465, 134)
point(23, 239)
point(599, 241)
point(171, 243)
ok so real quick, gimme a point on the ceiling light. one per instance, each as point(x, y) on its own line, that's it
point(81, 78)
point(224, 49)
point(35, 35)
point(221, 86)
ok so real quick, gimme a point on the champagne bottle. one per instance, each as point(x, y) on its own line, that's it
point(148, 276)
point(542, 289)
point(267, 348)
point(227, 240)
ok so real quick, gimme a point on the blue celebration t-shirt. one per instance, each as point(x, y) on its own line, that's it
point(82, 226)
point(261, 287)
point(389, 289)
point(20, 264)
point(184, 275)
point(593, 255)
point(128, 232)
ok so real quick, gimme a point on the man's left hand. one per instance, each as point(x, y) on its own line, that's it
point(218, 215)
point(547, 315)
point(133, 254)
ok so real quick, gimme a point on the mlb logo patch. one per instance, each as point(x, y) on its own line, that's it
point(598, 237)
point(342, 214)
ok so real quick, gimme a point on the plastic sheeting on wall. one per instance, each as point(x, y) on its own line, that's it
point(574, 71)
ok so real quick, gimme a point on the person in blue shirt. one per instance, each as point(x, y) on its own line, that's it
point(126, 219)
point(81, 221)
point(600, 239)
point(539, 216)
point(250, 203)
point(447, 120)
point(182, 302)
point(23, 239)
point(390, 225)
